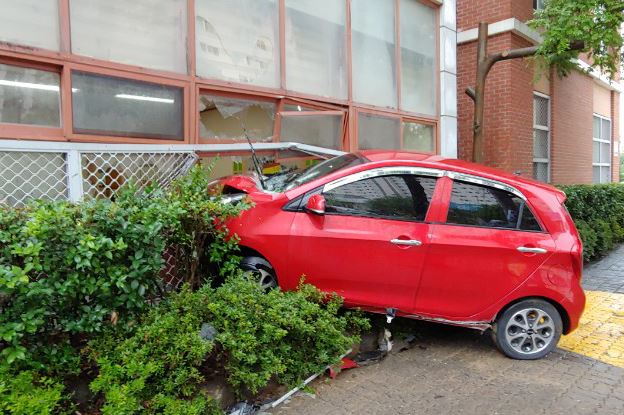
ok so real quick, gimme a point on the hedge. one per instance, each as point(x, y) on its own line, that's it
point(598, 212)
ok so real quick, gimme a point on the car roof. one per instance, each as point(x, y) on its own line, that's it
point(457, 165)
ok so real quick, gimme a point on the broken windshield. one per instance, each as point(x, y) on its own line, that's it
point(290, 180)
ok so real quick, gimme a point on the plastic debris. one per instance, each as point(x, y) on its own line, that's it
point(385, 345)
point(242, 408)
point(390, 314)
point(345, 364)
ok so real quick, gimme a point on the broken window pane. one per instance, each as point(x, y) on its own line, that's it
point(374, 66)
point(418, 54)
point(226, 118)
point(377, 132)
point(238, 41)
point(316, 60)
point(418, 137)
point(316, 130)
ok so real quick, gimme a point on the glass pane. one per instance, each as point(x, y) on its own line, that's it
point(31, 23)
point(540, 144)
point(149, 33)
point(595, 152)
point(373, 40)
point(238, 41)
point(540, 172)
point(596, 174)
point(605, 175)
point(316, 130)
point(529, 223)
point(227, 118)
point(418, 137)
point(605, 130)
point(540, 111)
point(29, 96)
point(116, 106)
point(605, 152)
point(418, 57)
point(376, 132)
point(596, 127)
point(483, 206)
point(394, 197)
point(316, 60)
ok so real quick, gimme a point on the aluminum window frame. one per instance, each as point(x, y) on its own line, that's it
point(546, 128)
point(601, 141)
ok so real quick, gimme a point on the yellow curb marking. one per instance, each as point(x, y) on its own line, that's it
point(600, 334)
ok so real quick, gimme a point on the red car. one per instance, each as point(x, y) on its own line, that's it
point(423, 237)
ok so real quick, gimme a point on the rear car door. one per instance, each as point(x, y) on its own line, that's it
point(488, 245)
point(371, 244)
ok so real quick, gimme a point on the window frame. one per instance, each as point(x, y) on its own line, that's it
point(546, 161)
point(402, 119)
point(65, 61)
point(424, 172)
point(601, 141)
point(488, 183)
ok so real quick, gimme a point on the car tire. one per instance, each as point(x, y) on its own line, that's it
point(528, 330)
point(260, 269)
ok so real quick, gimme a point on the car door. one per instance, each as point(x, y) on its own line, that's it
point(489, 243)
point(370, 245)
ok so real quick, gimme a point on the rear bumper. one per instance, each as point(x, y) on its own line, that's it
point(574, 304)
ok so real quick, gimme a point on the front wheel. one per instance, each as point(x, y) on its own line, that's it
point(261, 270)
point(528, 330)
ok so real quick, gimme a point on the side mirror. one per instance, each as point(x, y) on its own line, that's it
point(316, 205)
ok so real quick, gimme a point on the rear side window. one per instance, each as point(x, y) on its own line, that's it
point(489, 207)
point(401, 197)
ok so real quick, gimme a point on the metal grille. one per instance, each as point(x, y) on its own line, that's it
point(30, 175)
point(104, 173)
point(541, 138)
point(540, 111)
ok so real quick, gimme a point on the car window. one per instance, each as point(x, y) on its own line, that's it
point(489, 207)
point(401, 197)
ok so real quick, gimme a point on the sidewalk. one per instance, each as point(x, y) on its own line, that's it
point(459, 371)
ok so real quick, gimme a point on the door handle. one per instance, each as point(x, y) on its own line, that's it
point(406, 242)
point(527, 250)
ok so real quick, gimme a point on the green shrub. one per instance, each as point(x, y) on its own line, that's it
point(70, 270)
point(158, 368)
point(281, 335)
point(286, 335)
point(26, 393)
point(598, 212)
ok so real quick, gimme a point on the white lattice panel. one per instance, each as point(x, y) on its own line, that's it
point(104, 173)
point(27, 176)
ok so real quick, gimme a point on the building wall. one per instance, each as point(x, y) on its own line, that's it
point(572, 121)
point(510, 89)
point(202, 47)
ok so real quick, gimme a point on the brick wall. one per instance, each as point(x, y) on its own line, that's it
point(615, 119)
point(471, 12)
point(572, 128)
point(508, 121)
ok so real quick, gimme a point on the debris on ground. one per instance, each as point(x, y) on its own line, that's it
point(242, 408)
point(345, 364)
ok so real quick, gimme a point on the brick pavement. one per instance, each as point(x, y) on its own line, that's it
point(458, 371)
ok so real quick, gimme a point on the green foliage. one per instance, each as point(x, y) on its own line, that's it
point(596, 22)
point(26, 393)
point(156, 370)
point(70, 270)
point(260, 336)
point(598, 212)
point(286, 335)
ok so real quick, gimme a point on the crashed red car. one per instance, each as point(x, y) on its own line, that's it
point(423, 237)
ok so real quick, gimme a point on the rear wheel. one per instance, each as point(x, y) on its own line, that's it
point(260, 269)
point(528, 330)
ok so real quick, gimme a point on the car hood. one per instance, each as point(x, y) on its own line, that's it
point(243, 183)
